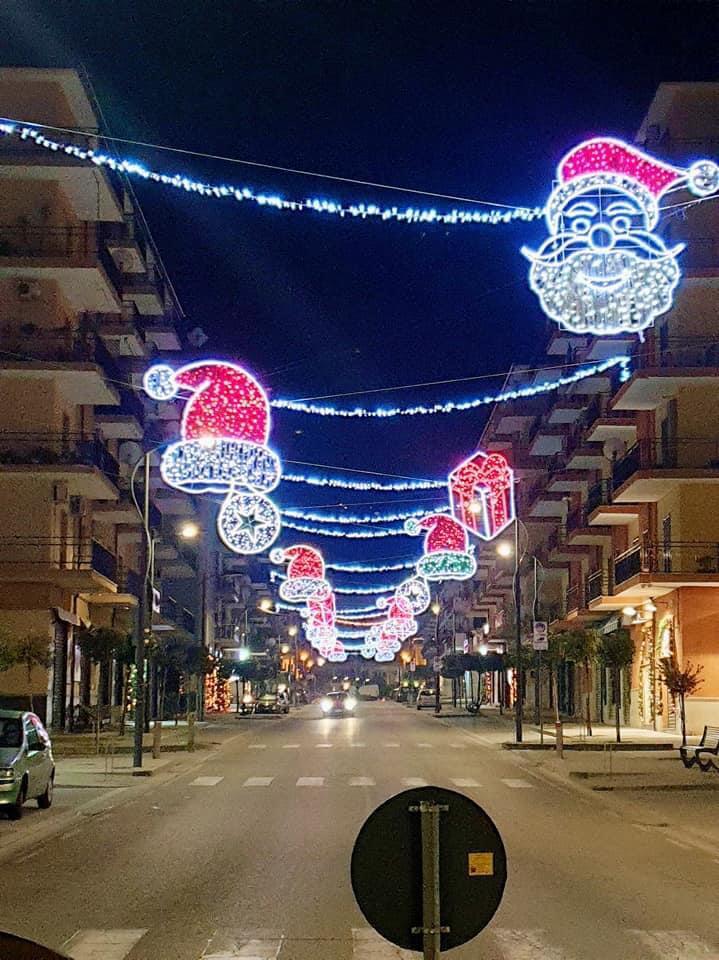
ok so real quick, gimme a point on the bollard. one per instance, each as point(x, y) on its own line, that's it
point(559, 735)
point(156, 739)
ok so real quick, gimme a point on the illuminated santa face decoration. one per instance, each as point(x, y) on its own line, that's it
point(603, 268)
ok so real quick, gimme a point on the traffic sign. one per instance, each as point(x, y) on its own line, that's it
point(390, 868)
point(412, 667)
point(437, 664)
point(540, 635)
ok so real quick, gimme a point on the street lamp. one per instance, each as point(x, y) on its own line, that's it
point(189, 530)
point(265, 605)
point(436, 608)
point(505, 549)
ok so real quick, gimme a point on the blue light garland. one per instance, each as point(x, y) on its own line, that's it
point(518, 393)
point(349, 534)
point(363, 521)
point(217, 191)
point(342, 484)
point(371, 567)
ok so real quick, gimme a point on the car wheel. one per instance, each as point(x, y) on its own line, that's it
point(45, 799)
point(14, 812)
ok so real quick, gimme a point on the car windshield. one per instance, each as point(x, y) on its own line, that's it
point(337, 695)
point(10, 732)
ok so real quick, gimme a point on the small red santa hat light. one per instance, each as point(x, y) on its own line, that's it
point(608, 162)
point(447, 555)
point(223, 447)
point(305, 573)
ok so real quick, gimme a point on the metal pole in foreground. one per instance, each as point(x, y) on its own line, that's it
point(518, 636)
point(141, 626)
point(431, 924)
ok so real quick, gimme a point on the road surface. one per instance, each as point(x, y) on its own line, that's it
point(248, 856)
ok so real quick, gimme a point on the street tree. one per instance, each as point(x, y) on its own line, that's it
point(8, 653)
point(681, 683)
point(616, 651)
point(33, 650)
point(580, 648)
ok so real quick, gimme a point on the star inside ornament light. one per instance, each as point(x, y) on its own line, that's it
point(604, 268)
point(223, 447)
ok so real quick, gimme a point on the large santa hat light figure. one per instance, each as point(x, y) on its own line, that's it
point(223, 447)
point(603, 269)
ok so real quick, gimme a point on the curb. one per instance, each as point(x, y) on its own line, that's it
point(599, 747)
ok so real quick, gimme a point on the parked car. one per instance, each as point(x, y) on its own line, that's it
point(426, 697)
point(272, 703)
point(369, 691)
point(338, 703)
point(27, 768)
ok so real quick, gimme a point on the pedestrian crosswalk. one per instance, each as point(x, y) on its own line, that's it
point(359, 745)
point(282, 781)
point(363, 943)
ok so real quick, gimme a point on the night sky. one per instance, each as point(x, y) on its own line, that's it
point(478, 100)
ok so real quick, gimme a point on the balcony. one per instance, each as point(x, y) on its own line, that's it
point(122, 422)
point(84, 463)
point(652, 468)
point(146, 290)
point(598, 584)
point(580, 533)
point(176, 616)
point(664, 566)
point(84, 566)
point(70, 255)
point(602, 512)
point(76, 362)
point(662, 367)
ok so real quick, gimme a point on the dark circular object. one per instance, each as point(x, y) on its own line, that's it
point(17, 948)
point(386, 868)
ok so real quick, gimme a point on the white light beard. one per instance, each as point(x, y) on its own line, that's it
point(645, 292)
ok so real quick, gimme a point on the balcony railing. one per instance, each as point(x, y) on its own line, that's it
point(681, 557)
point(29, 342)
point(129, 581)
point(72, 449)
point(57, 553)
point(171, 610)
point(694, 452)
point(627, 564)
point(600, 493)
point(575, 597)
point(677, 352)
point(599, 584)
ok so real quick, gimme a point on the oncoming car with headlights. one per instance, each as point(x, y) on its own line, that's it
point(337, 704)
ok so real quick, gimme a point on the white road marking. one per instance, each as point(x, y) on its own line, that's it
point(368, 945)
point(258, 781)
point(311, 782)
point(323, 746)
point(426, 746)
point(102, 944)
point(676, 943)
point(256, 746)
point(290, 746)
point(361, 782)
point(518, 784)
point(249, 945)
point(526, 945)
point(392, 745)
point(679, 843)
point(33, 853)
point(206, 781)
point(69, 834)
point(465, 782)
point(458, 746)
point(358, 744)
point(414, 782)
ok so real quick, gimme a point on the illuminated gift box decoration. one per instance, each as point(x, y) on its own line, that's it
point(481, 494)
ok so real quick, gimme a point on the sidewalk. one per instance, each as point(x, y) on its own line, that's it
point(174, 737)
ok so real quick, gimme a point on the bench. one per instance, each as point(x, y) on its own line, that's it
point(704, 752)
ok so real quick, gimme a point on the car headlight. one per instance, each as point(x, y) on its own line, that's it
point(350, 703)
point(247, 699)
point(326, 705)
point(7, 774)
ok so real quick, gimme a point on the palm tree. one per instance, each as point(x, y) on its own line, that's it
point(33, 650)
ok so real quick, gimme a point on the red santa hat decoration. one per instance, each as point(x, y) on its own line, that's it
point(305, 573)
point(223, 447)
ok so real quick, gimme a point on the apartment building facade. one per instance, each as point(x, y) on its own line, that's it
point(85, 304)
point(618, 482)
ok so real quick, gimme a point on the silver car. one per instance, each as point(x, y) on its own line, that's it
point(27, 768)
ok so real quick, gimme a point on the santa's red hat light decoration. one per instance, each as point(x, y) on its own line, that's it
point(223, 447)
point(603, 269)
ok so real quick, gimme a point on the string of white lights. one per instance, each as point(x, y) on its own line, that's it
point(496, 215)
point(516, 393)
point(374, 590)
point(295, 513)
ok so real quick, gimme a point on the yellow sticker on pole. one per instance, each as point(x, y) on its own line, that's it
point(480, 864)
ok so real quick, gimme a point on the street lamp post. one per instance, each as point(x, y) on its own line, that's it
point(518, 635)
point(436, 609)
